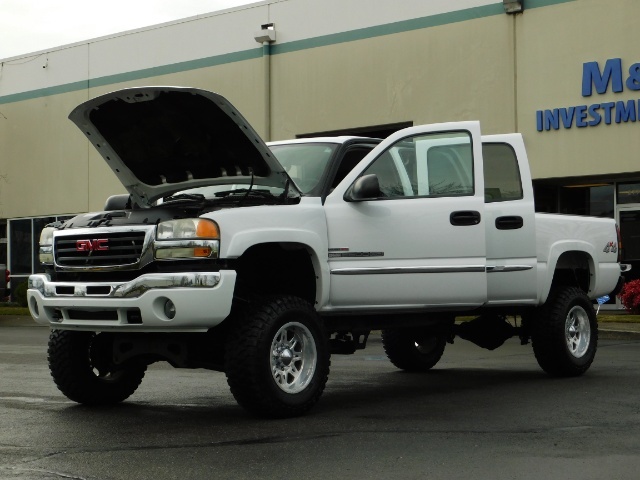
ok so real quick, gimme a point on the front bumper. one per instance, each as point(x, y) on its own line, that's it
point(201, 300)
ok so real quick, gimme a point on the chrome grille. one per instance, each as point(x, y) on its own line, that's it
point(99, 249)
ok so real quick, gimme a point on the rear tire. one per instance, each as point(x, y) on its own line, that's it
point(412, 349)
point(277, 357)
point(82, 369)
point(564, 333)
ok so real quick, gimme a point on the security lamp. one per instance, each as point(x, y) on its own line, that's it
point(513, 6)
point(267, 33)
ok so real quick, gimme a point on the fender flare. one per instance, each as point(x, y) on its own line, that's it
point(556, 251)
point(242, 241)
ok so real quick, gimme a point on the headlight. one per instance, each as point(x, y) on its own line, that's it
point(187, 238)
point(46, 246)
point(188, 228)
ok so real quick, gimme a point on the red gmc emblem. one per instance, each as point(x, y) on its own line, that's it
point(96, 245)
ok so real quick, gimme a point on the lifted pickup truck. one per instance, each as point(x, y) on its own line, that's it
point(260, 261)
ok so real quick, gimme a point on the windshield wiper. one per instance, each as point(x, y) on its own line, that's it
point(243, 196)
point(245, 191)
point(185, 197)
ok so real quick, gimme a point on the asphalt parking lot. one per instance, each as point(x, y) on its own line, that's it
point(479, 414)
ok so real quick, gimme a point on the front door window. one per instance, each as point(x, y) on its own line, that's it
point(432, 165)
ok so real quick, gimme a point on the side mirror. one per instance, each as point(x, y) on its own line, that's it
point(118, 202)
point(364, 188)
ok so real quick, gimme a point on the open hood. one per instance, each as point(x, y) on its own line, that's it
point(160, 140)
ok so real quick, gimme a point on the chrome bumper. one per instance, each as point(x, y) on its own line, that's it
point(201, 300)
point(132, 289)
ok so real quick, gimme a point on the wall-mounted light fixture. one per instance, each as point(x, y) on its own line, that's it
point(513, 6)
point(267, 33)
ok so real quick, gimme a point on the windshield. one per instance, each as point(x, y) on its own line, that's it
point(304, 162)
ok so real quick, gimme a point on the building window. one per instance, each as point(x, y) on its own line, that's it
point(3, 242)
point(601, 201)
point(593, 200)
point(20, 246)
point(24, 241)
point(545, 198)
point(628, 193)
point(630, 232)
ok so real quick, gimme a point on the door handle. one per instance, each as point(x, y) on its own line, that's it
point(465, 218)
point(509, 223)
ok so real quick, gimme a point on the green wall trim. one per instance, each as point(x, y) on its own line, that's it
point(390, 28)
point(45, 92)
point(135, 75)
point(277, 49)
point(543, 3)
point(177, 67)
point(406, 26)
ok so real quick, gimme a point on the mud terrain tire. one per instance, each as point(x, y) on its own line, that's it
point(564, 333)
point(80, 371)
point(276, 357)
point(413, 350)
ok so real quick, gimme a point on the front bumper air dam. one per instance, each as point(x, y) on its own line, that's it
point(201, 300)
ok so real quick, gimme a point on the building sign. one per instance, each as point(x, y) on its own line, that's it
point(611, 77)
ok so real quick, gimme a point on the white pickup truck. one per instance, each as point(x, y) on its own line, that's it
point(260, 261)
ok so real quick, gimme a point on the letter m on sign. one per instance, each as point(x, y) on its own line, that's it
point(591, 76)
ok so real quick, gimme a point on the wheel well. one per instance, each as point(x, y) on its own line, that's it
point(277, 268)
point(573, 269)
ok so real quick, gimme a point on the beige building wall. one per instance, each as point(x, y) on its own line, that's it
point(47, 167)
point(43, 159)
point(462, 71)
point(482, 64)
point(552, 45)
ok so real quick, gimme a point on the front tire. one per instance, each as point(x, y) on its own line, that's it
point(81, 368)
point(565, 333)
point(412, 349)
point(277, 357)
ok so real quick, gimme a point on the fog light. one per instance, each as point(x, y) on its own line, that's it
point(169, 309)
point(33, 305)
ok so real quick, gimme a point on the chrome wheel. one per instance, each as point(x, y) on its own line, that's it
point(564, 333)
point(277, 356)
point(293, 357)
point(577, 331)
